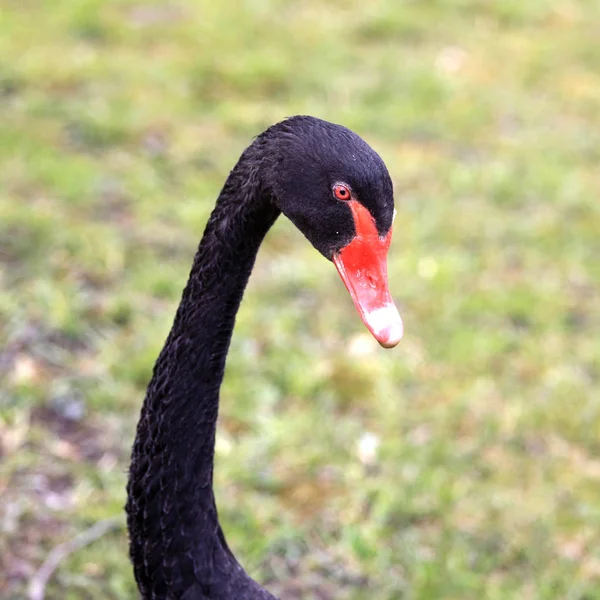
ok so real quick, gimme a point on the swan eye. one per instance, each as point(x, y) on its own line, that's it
point(341, 192)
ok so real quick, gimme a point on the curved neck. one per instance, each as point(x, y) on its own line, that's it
point(176, 541)
point(192, 362)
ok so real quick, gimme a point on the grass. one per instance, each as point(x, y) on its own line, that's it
point(464, 464)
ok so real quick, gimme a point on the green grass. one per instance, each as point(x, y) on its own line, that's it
point(119, 123)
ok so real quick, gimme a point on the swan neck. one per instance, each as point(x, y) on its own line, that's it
point(175, 537)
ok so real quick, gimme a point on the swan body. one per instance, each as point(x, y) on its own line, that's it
point(337, 191)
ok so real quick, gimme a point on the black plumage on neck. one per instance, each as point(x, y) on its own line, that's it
point(176, 543)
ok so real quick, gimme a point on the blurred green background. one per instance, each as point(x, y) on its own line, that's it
point(464, 464)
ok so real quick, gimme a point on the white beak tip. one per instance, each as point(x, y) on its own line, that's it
point(391, 335)
point(386, 325)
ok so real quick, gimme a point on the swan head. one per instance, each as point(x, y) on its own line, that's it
point(337, 190)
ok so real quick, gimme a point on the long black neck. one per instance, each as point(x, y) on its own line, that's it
point(176, 544)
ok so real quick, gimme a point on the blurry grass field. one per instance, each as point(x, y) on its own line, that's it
point(465, 464)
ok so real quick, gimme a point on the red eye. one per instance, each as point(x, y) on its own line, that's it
point(341, 192)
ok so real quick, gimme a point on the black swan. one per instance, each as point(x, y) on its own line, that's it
point(338, 192)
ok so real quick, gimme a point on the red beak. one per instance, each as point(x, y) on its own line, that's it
point(362, 265)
